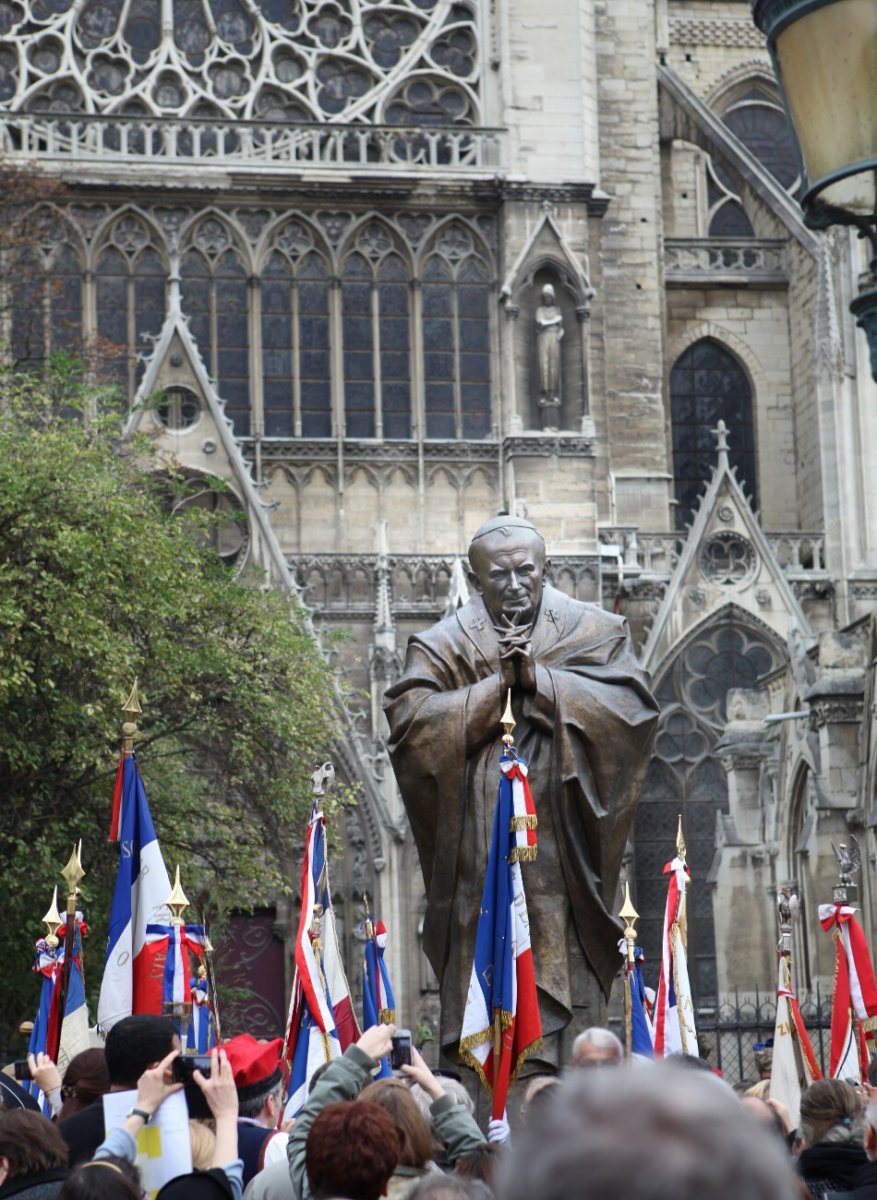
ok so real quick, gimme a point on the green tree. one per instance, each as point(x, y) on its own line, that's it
point(100, 584)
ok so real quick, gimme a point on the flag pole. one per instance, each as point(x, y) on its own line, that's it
point(507, 720)
point(73, 874)
point(629, 916)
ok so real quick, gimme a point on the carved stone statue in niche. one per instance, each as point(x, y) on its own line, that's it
point(549, 334)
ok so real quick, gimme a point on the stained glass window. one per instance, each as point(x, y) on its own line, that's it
point(707, 384)
point(215, 296)
point(456, 338)
point(45, 293)
point(130, 299)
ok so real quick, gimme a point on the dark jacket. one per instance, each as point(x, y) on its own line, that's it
point(251, 1142)
point(865, 1187)
point(41, 1185)
point(830, 1167)
point(84, 1132)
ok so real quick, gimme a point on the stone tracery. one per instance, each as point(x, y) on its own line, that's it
point(407, 62)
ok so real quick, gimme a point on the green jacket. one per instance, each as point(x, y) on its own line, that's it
point(344, 1079)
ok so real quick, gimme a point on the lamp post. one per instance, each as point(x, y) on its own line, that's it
point(824, 55)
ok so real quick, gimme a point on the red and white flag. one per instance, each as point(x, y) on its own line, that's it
point(854, 1008)
point(675, 1031)
point(794, 1063)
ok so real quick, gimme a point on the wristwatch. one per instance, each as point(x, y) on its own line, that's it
point(145, 1117)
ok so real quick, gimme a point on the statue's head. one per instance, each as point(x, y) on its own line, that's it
point(508, 559)
point(548, 296)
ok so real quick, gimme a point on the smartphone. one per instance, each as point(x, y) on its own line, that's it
point(400, 1054)
point(185, 1066)
point(21, 1069)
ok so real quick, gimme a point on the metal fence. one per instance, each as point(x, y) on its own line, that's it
point(729, 1031)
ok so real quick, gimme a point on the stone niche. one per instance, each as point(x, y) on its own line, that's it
point(535, 408)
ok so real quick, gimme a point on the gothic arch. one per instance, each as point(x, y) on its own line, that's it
point(266, 241)
point(749, 361)
point(430, 242)
point(104, 230)
point(727, 649)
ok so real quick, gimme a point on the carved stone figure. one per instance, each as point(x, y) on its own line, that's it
point(549, 334)
point(585, 722)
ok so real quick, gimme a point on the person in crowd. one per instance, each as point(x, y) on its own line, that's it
point(351, 1152)
point(481, 1163)
point(33, 1156)
point(13, 1095)
point(85, 1080)
point(449, 1187)
point(832, 1136)
point(539, 1090)
point(865, 1183)
point(597, 1047)
point(133, 1045)
point(109, 1178)
point(665, 1134)
point(224, 1178)
point(261, 1087)
point(345, 1079)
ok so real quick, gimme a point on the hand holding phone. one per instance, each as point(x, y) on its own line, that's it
point(185, 1066)
point(400, 1054)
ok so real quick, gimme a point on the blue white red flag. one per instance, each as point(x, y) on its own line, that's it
point(176, 943)
point(47, 964)
point(321, 1021)
point(201, 1034)
point(133, 971)
point(675, 1031)
point(67, 1025)
point(640, 1033)
point(378, 1003)
point(501, 1022)
point(854, 1004)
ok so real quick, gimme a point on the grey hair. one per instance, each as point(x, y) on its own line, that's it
point(831, 1112)
point(598, 1039)
point(435, 1186)
point(451, 1087)
point(664, 1134)
point(254, 1105)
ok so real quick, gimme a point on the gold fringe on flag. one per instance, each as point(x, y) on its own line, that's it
point(519, 824)
point(523, 854)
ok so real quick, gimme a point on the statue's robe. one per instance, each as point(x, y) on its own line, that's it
point(586, 733)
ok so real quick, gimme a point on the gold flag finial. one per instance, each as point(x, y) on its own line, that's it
point(52, 921)
point(73, 872)
point(507, 721)
point(177, 901)
point(680, 840)
point(629, 916)
point(131, 708)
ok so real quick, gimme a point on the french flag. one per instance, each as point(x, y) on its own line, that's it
point(321, 1021)
point(134, 968)
point(177, 943)
point(378, 1002)
point(675, 1031)
point(501, 1022)
point(637, 1007)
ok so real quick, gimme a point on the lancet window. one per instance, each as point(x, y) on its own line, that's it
point(708, 384)
point(296, 387)
point(215, 297)
point(45, 301)
point(456, 338)
point(130, 278)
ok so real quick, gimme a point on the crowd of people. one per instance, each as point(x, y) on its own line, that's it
point(604, 1127)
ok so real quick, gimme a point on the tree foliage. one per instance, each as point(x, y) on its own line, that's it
point(100, 584)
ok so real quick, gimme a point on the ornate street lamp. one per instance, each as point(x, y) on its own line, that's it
point(825, 57)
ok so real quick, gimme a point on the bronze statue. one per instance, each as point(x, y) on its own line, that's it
point(585, 723)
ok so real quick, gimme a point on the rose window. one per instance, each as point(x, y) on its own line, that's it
point(403, 62)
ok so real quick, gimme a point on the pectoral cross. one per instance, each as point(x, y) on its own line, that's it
point(552, 617)
point(478, 624)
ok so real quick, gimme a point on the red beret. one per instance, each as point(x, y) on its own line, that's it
point(256, 1065)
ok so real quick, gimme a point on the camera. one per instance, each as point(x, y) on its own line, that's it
point(400, 1054)
point(185, 1066)
point(21, 1069)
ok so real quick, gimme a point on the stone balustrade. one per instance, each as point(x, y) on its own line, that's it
point(252, 144)
point(706, 261)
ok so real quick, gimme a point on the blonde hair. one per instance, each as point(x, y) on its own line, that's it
point(760, 1090)
point(203, 1142)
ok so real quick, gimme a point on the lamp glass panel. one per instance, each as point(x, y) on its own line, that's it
point(828, 63)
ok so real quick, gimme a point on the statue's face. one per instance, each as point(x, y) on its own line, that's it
point(509, 574)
